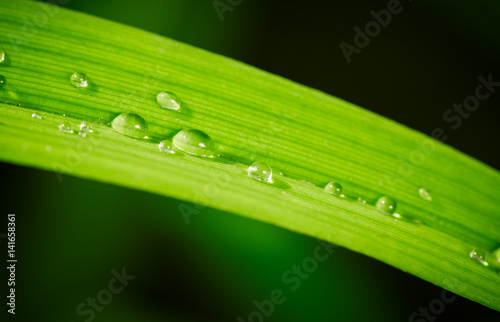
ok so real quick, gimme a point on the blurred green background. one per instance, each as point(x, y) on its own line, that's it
point(70, 235)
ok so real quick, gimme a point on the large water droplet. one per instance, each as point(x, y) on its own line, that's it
point(334, 188)
point(79, 80)
point(386, 204)
point(66, 128)
point(85, 127)
point(479, 256)
point(194, 142)
point(36, 116)
point(260, 171)
point(3, 81)
point(168, 100)
point(424, 194)
point(2, 56)
point(166, 146)
point(131, 125)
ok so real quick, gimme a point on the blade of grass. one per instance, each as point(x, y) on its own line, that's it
point(309, 136)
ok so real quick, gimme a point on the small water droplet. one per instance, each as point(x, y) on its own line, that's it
point(2, 56)
point(166, 146)
point(334, 188)
point(3, 81)
point(66, 128)
point(260, 171)
point(36, 116)
point(168, 100)
point(479, 256)
point(130, 124)
point(82, 134)
point(386, 204)
point(361, 200)
point(48, 148)
point(79, 80)
point(195, 142)
point(424, 194)
point(85, 127)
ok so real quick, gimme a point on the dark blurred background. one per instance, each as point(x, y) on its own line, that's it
point(71, 235)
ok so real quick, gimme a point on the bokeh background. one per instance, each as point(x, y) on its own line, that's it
point(70, 235)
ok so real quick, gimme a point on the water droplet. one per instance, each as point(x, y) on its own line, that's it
point(496, 253)
point(79, 80)
point(85, 127)
point(2, 56)
point(66, 128)
point(424, 194)
point(194, 142)
point(168, 100)
point(260, 171)
point(131, 125)
point(82, 134)
point(361, 200)
point(3, 81)
point(36, 116)
point(386, 204)
point(48, 148)
point(334, 188)
point(479, 256)
point(166, 146)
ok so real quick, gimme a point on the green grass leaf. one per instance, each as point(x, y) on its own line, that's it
point(448, 202)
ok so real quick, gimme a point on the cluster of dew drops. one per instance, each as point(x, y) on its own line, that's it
point(198, 143)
